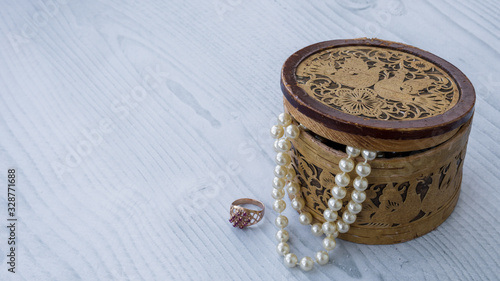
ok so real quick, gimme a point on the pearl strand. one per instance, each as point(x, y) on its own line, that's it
point(285, 179)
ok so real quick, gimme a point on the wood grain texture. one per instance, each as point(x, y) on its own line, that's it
point(366, 141)
point(134, 124)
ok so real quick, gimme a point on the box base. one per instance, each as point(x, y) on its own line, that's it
point(407, 197)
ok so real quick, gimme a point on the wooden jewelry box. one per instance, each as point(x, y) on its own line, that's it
point(411, 106)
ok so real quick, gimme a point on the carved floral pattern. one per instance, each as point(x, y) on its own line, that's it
point(388, 204)
point(359, 101)
point(377, 83)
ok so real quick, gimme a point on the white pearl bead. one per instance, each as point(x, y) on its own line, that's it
point(354, 207)
point(328, 228)
point(351, 151)
point(290, 260)
point(360, 183)
point(297, 203)
point(283, 248)
point(275, 146)
point(335, 234)
point(330, 215)
point(329, 243)
point(292, 188)
point(342, 179)
point(316, 229)
point(284, 119)
point(363, 169)
point(280, 171)
point(322, 257)
point(282, 159)
point(277, 131)
point(282, 235)
point(369, 155)
point(306, 263)
point(358, 196)
point(342, 227)
point(346, 165)
point(281, 221)
point(348, 217)
point(283, 145)
point(305, 218)
point(278, 183)
point(292, 131)
point(290, 175)
point(278, 193)
point(338, 192)
point(334, 204)
point(279, 205)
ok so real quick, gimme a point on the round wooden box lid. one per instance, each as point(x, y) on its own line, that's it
point(376, 94)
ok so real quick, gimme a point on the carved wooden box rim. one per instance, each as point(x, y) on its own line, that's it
point(311, 109)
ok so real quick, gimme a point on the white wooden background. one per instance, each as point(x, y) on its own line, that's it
point(134, 124)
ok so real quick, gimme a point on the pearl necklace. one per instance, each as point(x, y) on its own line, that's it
point(285, 178)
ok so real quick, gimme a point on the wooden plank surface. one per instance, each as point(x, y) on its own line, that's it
point(134, 124)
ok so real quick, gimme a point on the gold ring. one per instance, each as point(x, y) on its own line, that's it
point(242, 217)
